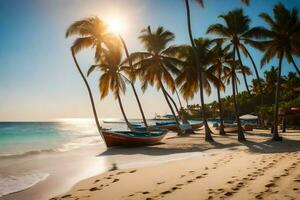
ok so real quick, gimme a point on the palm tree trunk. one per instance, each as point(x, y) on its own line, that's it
point(221, 131)
point(182, 117)
point(241, 136)
point(255, 69)
point(297, 69)
point(90, 95)
point(236, 87)
point(173, 102)
point(170, 106)
point(208, 132)
point(123, 112)
point(132, 85)
point(284, 124)
point(178, 98)
point(275, 134)
point(241, 63)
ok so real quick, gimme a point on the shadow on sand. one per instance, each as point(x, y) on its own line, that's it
point(256, 143)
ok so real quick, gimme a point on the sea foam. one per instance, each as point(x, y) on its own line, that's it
point(15, 183)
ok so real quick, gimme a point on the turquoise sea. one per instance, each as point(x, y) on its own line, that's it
point(24, 144)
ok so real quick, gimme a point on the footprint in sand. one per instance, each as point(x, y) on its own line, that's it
point(65, 196)
point(175, 188)
point(93, 189)
point(228, 193)
point(115, 180)
point(160, 182)
point(132, 171)
point(165, 192)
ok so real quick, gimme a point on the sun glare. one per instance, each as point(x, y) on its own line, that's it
point(115, 25)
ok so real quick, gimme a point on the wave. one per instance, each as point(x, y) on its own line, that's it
point(68, 146)
point(16, 183)
point(28, 153)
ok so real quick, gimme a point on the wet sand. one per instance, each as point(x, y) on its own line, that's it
point(256, 169)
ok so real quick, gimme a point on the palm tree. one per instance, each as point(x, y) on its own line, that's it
point(111, 78)
point(220, 59)
point(271, 80)
point(198, 73)
point(230, 76)
point(132, 80)
point(236, 31)
point(283, 40)
point(189, 79)
point(157, 64)
point(92, 33)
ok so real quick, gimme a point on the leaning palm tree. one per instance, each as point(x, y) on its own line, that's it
point(131, 72)
point(198, 73)
point(230, 77)
point(157, 64)
point(112, 79)
point(236, 31)
point(219, 61)
point(282, 41)
point(188, 14)
point(189, 79)
point(92, 33)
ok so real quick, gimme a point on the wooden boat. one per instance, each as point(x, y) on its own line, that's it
point(233, 129)
point(197, 126)
point(173, 127)
point(117, 138)
point(165, 123)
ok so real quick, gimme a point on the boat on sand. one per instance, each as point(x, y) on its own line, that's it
point(132, 138)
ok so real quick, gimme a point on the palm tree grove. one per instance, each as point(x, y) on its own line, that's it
point(150, 99)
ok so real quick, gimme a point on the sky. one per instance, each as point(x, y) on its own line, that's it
point(38, 79)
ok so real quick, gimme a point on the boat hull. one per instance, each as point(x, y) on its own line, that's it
point(174, 127)
point(197, 126)
point(119, 139)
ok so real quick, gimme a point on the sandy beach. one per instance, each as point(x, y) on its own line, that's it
point(256, 169)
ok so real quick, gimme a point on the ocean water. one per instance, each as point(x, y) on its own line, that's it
point(18, 138)
point(20, 141)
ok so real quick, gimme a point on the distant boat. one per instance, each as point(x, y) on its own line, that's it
point(118, 138)
point(172, 126)
point(163, 117)
point(113, 122)
point(165, 123)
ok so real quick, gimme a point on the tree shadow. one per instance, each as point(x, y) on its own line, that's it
point(228, 141)
point(158, 149)
point(269, 146)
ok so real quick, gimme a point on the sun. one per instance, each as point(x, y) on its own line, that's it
point(115, 25)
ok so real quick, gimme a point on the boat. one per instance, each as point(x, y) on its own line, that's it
point(197, 126)
point(229, 128)
point(172, 126)
point(164, 117)
point(233, 129)
point(165, 123)
point(130, 138)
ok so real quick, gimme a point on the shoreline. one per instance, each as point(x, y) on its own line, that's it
point(257, 168)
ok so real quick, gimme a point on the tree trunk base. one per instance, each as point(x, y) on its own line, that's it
point(208, 138)
point(241, 136)
point(276, 137)
point(222, 132)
